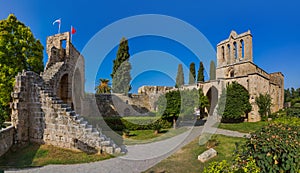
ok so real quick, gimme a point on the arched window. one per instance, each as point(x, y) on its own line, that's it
point(235, 50)
point(223, 52)
point(242, 48)
point(229, 51)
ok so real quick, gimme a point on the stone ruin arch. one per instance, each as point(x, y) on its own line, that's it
point(46, 108)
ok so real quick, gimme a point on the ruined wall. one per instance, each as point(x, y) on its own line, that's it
point(6, 139)
point(27, 116)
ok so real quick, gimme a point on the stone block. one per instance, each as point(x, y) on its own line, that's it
point(208, 154)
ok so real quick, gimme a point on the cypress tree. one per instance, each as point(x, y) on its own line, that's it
point(212, 70)
point(121, 70)
point(201, 73)
point(180, 76)
point(122, 55)
point(192, 74)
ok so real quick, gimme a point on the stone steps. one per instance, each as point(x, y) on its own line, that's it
point(49, 100)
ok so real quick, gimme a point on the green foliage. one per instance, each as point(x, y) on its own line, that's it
point(292, 95)
point(201, 72)
point(275, 148)
point(225, 167)
point(121, 70)
point(135, 123)
point(180, 76)
point(192, 74)
point(212, 70)
point(234, 103)
point(19, 50)
point(3, 115)
point(169, 105)
point(176, 103)
point(293, 121)
point(122, 78)
point(103, 87)
point(264, 103)
point(219, 167)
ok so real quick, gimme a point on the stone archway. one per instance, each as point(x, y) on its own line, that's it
point(212, 95)
point(63, 89)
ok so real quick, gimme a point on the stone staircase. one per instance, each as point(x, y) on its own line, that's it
point(67, 129)
point(52, 71)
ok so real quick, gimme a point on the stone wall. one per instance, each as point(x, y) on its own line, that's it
point(6, 139)
point(43, 105)
point(116, 105)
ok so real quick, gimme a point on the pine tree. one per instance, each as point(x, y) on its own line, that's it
point(192, 74)
point(201, 73)
point(179, 77)
point(121, 70)
point(212, 71)
point(19, 50)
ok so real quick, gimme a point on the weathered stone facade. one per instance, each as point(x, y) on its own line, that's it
point(46, 108)
point(235, 63)
point(6, 139)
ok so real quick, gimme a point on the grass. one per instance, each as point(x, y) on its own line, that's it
point(35, 155)
point(244, 127)
point(185, 160)
point(147, 136)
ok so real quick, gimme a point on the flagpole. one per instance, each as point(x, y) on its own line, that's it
point(71, 34)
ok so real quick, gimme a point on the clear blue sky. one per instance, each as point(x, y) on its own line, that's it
point(275, 26)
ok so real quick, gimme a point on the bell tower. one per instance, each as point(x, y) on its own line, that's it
point(235, 49)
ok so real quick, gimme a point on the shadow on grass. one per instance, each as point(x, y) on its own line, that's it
point(20, 158)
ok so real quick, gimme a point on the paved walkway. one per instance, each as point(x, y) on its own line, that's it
point(139, 157)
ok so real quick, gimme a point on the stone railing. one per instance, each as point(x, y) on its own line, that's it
point(6, 139)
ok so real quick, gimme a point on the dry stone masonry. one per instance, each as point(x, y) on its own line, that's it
point(235, 63)
point(45, 108)
point(48, 108)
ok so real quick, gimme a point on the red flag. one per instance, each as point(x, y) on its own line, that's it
point(73, 30)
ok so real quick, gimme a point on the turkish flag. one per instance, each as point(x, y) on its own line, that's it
point(73, 30)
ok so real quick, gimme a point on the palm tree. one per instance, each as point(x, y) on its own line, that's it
point(103, 87)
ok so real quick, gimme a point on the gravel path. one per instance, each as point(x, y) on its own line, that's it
point(139, 157)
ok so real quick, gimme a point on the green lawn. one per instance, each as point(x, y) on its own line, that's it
point(147, 136)
point(40, 155)
point(244, 127)
point(185, 160)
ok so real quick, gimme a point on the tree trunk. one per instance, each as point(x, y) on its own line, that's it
point(174, 122)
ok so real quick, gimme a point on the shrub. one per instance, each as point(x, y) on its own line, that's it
point(135, 123)
point(234, 103)
point(264, 102)
point(276, 148)
point(224, 166)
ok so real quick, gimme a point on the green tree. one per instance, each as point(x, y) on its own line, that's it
point(103, 87)
point(175, 103)
point(192, 74)
point(180, 76)
point(122, 55)
point(234, 103)
point(212, 70)
point(264, 103)
point(121, 70)
point(122, 78)
point(201, 73)
point(19, 50)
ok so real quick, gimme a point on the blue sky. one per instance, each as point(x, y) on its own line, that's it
point(275, 27)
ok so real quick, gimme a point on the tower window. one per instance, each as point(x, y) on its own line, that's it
point(242, 47)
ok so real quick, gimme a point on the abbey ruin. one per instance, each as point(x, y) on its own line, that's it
point(235, 63)
point(47, 108)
